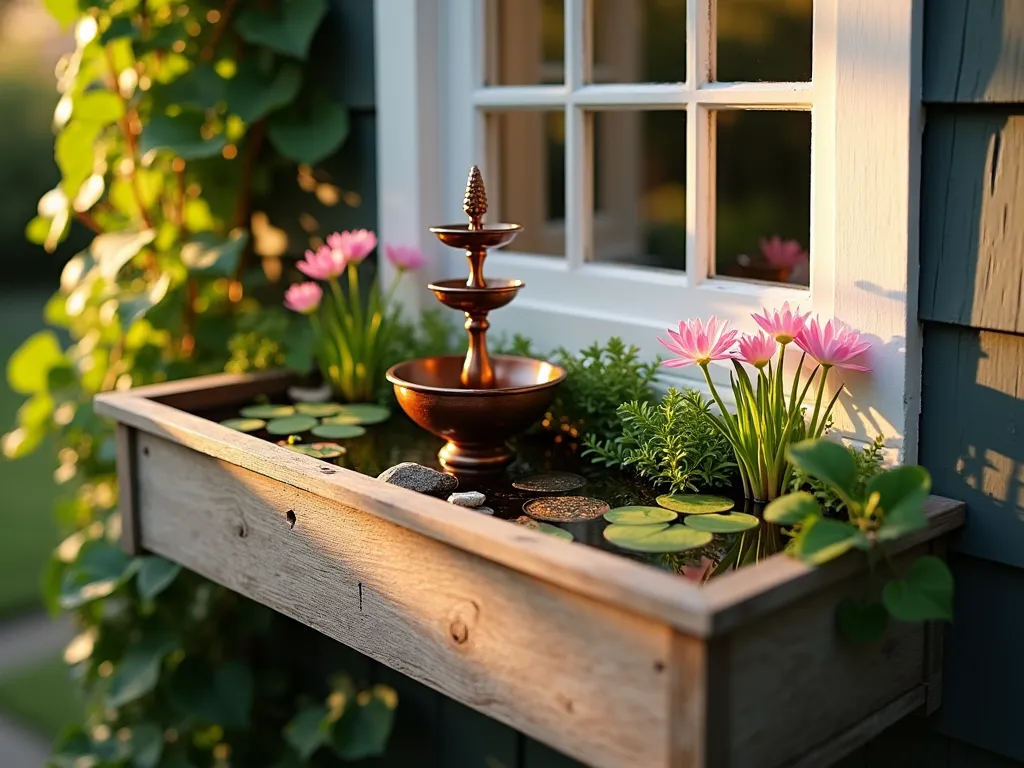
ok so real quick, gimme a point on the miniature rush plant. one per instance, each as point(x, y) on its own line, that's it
point(766, 422)
point(352, 341)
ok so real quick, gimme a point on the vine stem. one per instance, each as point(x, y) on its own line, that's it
point(125, 123)
point(218, 31)
point(240, 217)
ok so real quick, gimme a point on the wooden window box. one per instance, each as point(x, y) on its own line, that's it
point(610, 661)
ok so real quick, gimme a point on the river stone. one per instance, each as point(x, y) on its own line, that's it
point(418, 478)
point(484, 510)
point(467, 499)
point(300, 394)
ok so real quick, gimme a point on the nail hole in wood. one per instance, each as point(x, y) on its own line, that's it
point(659, 666)
point(360, 596)
point(290, 517)
point(241, 530)
point(145, 451)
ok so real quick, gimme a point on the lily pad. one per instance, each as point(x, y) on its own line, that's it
point(565, 509)
point(318, 410)
point(291, 425)
point(550, 482)
point(316, 450)
point(338, 431)
point(728, 522)
point(244, 425)
point(639, 515)
point(660, 537)
point(267, 411)
point(362, 413)
point(551, 530)
point(695, 503)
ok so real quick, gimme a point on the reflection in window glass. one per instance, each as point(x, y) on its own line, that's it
point(763, 195)
point(527, 149)
point(639, 41)
point(526, 42)
point(640, 188)
point(764, 40)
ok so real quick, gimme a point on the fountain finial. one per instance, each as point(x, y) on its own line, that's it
point(475, 201)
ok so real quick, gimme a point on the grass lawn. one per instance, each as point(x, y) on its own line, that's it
point(41, 697)
point(28, 490)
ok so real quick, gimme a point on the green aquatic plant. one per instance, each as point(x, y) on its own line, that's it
point(671, 443)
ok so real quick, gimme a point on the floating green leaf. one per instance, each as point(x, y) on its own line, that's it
point(206, 252)
point(288, 27)
point(826, 461)
point(554, 530)
point(291, 425)
point(180, 134)
point(319, 410)
point(639, 515)
point(728, 522)
point(312, 137)
point(338, 431)
point(360, 413)
point(29, 367)
point(267, 411)
point(252, 93)
point(244, 425)
point(792, 508)
point(323, 451)
point(823, 539)
point(926, 593)
point(861, 623)
point(695, 503)
point(137, 673)
point(660, 537)
point(155, 575)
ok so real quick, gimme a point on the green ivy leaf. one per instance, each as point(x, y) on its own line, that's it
point(308, 730)
point(73, 749)
point(98, 107)
point(792, 508)
point(29, 366)
point(64, 11)
point(120, 26)
point(902, 493)
point(221, 695)
point(208, 253)
point(312, 137)
point(252, 93)
point(826, 461)
point(74, 152)
point(199, 88)
point(38, 229)
point(155, 575)
point(363, 729)
point(287, 28)
point(181, 135)
point(926, 593)
point(138, 672)
point(136, 306)
point(147, 745)
point(861, 623)
point(100, 569)
point(112, 250)
point(823, 539)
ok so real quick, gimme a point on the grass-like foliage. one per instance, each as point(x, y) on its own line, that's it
point(868, 463)
point(671, 443)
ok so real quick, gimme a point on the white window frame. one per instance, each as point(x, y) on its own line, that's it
point(866, 124)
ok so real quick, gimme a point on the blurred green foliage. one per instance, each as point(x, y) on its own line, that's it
point(173, 119)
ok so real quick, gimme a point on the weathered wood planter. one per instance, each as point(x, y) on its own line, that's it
point(608, 660)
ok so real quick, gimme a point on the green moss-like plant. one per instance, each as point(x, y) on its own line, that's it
point(671, 443)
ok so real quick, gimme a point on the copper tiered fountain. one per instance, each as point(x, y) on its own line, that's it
point(476, 402)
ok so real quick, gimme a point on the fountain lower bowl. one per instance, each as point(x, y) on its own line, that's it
point(477, 423)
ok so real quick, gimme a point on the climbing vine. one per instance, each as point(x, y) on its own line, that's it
point(175, 121)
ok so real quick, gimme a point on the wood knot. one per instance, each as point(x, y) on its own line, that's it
point(241, 529)
point(462, 620)
point(290, 517)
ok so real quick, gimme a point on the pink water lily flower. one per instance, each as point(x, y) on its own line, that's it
point(696, 343)
point(833, 344)
point(756, 350)
point(356, 244)
point(325, 263)
point(303, 298)
point(405, 257)
point(783, 253)
point(784, 325)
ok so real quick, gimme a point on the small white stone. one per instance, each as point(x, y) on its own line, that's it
point(485, 510)
point(319, 394)
point(467, 499)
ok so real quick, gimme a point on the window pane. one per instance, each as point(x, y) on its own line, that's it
point(764, 40)
point(526, 42)
point(640, 188)
point(763, 195)
point(639, 41)
point(527, 148)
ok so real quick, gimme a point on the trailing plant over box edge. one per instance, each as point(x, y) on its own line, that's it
point(888, 506)
point(171, 119)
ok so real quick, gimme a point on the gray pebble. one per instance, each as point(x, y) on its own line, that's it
point(485, 510)
point(468, 498)
point(418, 478)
